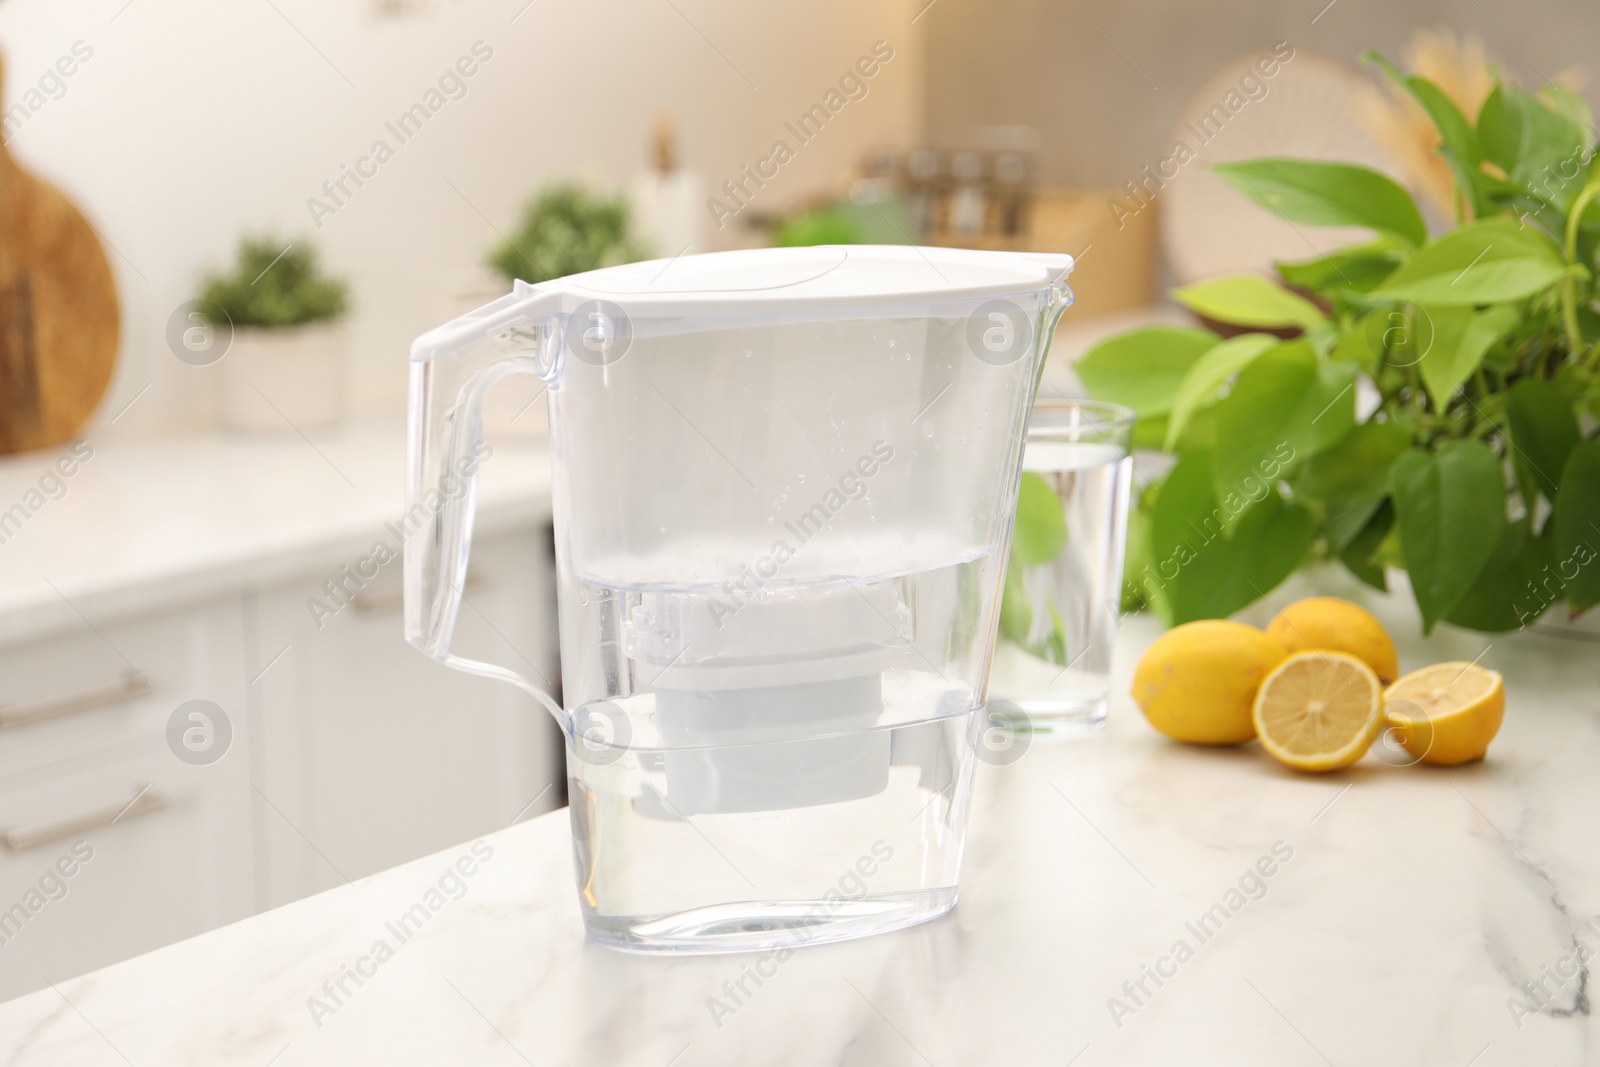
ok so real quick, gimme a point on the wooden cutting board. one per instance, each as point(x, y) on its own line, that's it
point(59, 323)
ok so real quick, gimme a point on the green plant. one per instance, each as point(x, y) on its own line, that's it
point(878, 218)
point(1037, 537)
point(830, 225)
point(1471, 460)
point(274, 288)
point(566, 230)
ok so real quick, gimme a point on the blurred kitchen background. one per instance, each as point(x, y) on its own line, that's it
point(193, 535)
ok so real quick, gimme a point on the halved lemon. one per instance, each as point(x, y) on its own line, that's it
point(1319, 711)
point(1447, 713)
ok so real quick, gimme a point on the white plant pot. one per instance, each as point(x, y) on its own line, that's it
point(290, 379)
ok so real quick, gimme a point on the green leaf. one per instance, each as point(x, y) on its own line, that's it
point(1342, 523)
point(1249, 300)
point(1451, 506)
point(1492, 261)
point(1356, 346)
point(1330, 407)
point(1390, 553)
point(1543, 429)
point(1459, 338)
point(1200, 432)
point(1500, 129)
point(1143, 368)
point(1577, 525)
point(1396, 335)
point(1522, 477)
point(1358, 555)
point(1359, 269)
point(1283, 408)
point(1357, 468)
point(1255, 423)
point(1510, 591)
point(1267, 545)
point(1209, 373)
point(1185, 497)
point(1328, 194)
point(1203, 573)
point(1041, 529)
point(1150, 432)
point(1141, 580)
point(1056, 643)
point(1016, 613)
point(1321, 337)
point(1135, 594)
point(1569, 104)
point(1458, 141)
point(1524, 137)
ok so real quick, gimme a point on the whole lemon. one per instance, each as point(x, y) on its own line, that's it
point(1329, 624)
point(1197, 682)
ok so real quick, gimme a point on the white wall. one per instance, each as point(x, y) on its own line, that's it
point(196, 120)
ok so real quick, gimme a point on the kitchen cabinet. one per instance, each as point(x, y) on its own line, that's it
point(110, 845)
point(370, 754)
point(349, 752)
point(178, 569)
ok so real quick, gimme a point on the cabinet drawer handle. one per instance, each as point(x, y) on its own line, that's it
point(146, 799)
point(127, 687)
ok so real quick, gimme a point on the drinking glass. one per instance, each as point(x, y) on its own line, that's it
point(1052, 662)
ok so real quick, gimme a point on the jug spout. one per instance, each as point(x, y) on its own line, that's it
point(1059, 295)
point(1060, 299)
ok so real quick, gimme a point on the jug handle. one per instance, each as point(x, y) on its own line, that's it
point(452, 370)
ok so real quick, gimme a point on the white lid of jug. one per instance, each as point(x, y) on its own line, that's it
point(820, 274)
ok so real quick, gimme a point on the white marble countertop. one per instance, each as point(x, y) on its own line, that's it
point(1413, 905)
point(145, 524)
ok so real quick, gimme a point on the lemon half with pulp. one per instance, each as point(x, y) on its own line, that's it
point(1448, 713)
point(1319, 711)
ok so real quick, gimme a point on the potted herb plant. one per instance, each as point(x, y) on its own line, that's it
point(1424, 402)
point(565, 230)
point(286, 367)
